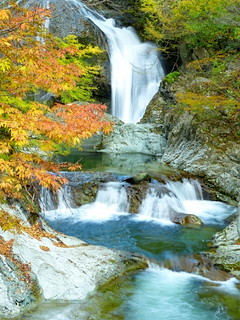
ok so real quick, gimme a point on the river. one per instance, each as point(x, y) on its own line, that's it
point(157, 292)
point(164, 291)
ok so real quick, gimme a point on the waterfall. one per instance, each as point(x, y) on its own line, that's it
point(111, 201)
point(60, 201)
point(182, 197)
point(136, 70)
point(162, 203)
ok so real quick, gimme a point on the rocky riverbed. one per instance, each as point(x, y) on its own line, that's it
point(37, 263)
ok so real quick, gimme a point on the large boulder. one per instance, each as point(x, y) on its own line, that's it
point(39, 263)
point(135, 138)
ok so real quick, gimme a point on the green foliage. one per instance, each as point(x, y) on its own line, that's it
point(210, 90)
point(198, 23)
point(172, 77)
point(84, 88)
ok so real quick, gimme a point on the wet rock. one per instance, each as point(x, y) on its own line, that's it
point(226, 249)
point(139, 178)
point(197, 264)
point(84, 193)
point(84, 185)
point(186, 219)
point(136, 193)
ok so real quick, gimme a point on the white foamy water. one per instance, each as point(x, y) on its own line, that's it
point(111, 201)
point(182, 197)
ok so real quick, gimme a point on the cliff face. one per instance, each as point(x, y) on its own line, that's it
point(202, 138)
point(205, 140)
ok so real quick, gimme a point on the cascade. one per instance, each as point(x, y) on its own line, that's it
point(111, 201)
point(136, 70)
point(161, 203)
point(182, 197)
point(61, 201)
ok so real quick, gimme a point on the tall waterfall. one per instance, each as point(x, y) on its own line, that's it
point(136, 70)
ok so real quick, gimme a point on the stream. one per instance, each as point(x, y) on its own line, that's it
point(164, 291)
point(157, 292)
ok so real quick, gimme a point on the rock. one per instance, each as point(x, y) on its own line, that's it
point(197, 264)
point(186, 219)
point(200, 83)
point(203, 142)
point(139, 178)
point(185, 53)
point(70, 273)
point(200, 53)
point(54, 266)
point(17, 289)
point(136, 193)
point(226, 253)
point(84, 185)
point(135, 138)
point(189, 148)
point(238, 220)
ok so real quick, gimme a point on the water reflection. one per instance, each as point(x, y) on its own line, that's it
point(129, 163)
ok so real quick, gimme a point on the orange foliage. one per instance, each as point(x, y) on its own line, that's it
point(30, 133)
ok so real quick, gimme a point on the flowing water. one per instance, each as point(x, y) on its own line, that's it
point(136, 69)
point(156, 293)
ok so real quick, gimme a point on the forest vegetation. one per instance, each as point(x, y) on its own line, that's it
point(32, 61)
point(209, 81)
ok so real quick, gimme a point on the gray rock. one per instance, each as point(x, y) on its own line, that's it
point(135, 138)
point(16, 289)
point(227, 249)
point(55, 267)
point(139, 178)
point(238, 220)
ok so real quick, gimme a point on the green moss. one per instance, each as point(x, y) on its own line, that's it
point(171, 77)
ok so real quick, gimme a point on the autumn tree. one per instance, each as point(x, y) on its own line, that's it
point(197, 23)
point(30, 133)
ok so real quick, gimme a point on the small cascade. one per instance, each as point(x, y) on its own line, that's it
point(60, 201)
point(186, 190)
point(182, 197)
point(114, 195)
point(159, 208)
point(162, 204)
point(110, 202)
